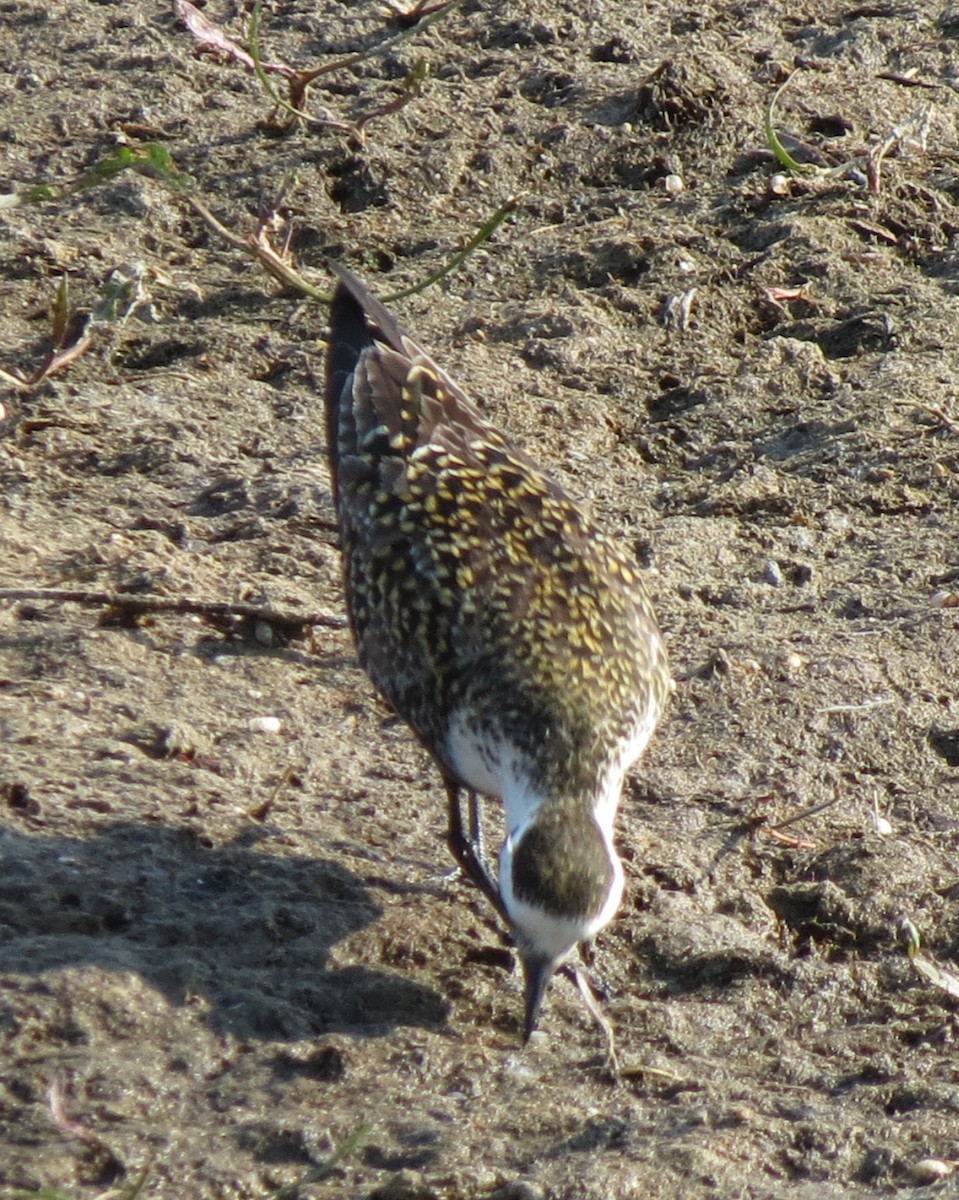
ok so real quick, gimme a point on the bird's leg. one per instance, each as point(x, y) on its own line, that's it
point(597, 982)
point(585, 989)
point(464, 848)
point(476, 826)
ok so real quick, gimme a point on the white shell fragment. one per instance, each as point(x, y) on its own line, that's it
point(928, 1170)
point(264, 725)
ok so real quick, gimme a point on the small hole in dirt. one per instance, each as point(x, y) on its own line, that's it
point(99, 1166)
point(903, 1101)
point(832, 125)
point(945, 743)
point(17, 796)
point(325, 1063)
point(144, 356)
point(491, 956)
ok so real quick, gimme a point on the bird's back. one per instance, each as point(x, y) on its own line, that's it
point(481, 596)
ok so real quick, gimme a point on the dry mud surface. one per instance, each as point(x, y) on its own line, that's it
point(235, 955)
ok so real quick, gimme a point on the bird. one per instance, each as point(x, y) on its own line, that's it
point(510, 632)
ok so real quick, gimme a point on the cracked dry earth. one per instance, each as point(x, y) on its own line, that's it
point(234, 955)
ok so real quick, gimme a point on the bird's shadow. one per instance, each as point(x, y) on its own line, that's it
point(246, 932)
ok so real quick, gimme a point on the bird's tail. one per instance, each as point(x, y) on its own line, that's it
point(349, 336)
point(357, 320)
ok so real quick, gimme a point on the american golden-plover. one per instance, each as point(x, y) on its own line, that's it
point(513, 635)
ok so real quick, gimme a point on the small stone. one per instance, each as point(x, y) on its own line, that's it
point(779, 184)
point(159, 740)
point(928, 1170)
point(265, 633)
point(773, 574)
point(520, 1189)
point(835, 521)
point(264, 725)
point(673, 184)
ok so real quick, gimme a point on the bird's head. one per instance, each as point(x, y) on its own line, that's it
point(560, 882)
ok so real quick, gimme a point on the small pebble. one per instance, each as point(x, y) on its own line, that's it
point(265, 724)
point(773, 574)
point(158, 740)
point(518, 1070)
point(779, 184)
point(673, 184)
point(520, 1189)
point(928, 1170)
point(265, 633)
point(835, 521)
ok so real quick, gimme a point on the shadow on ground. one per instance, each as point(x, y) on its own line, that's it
point(244, 933)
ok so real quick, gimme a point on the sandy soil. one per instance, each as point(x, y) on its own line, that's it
point(235, 955)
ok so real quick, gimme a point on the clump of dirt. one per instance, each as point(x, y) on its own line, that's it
point(228, 943)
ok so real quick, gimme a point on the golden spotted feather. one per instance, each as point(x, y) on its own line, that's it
point(475, 584)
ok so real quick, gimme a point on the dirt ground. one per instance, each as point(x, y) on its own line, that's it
point(232, 962)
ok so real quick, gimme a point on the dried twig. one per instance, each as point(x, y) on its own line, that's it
point(275, 263)
point(212, 38)
point(774, 831)
point(57, 1101)
point(909, 80)
point(785, 839)
point(913, 131)
point(804, 813)
point(408, 17)
point(108, 1161)
point(69, 340)
point(213, 610)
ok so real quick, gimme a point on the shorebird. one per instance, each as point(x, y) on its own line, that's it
point(514, 637)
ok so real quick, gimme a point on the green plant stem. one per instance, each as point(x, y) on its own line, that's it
point(483, 234)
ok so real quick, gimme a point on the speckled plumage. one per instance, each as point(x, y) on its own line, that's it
point(514, 636)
